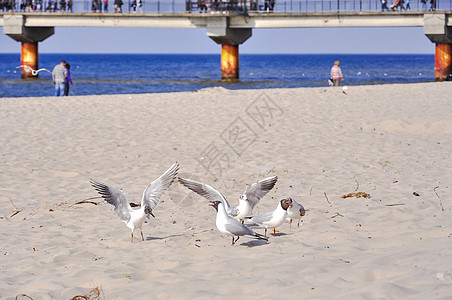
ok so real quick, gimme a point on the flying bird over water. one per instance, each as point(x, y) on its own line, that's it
point(134, 218)
point(33, 72)
point(230, 226)
point(247, 201)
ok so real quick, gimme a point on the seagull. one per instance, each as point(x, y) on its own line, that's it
point(247, 201)
point(344, 89)
point(228, 225)
point(296, 211)
point(33, 72)
point(273, 219)
point(134, 219)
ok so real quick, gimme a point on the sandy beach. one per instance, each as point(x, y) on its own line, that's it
point(393, 142)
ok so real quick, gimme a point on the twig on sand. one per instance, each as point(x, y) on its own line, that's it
point(94, 294)
point(337, 215)
point(327, 200)
point(23, 295)
point(88, 200)
point(16, 210)
point(357, 185)
point(440, 201)
point(310, 191)
point(192, 235)
point(395, 204)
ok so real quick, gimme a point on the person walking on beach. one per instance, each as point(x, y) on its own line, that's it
point(68, 81)
point(59, 75)
point(336, 74)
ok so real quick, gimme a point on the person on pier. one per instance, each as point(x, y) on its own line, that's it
point(118, 6)
point(384, 5)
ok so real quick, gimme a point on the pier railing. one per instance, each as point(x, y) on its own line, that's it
point(222, 7)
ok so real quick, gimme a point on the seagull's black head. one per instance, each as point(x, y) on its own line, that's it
point(302, 211)
point(148, 211)
point(214, 204)
point(285, 203)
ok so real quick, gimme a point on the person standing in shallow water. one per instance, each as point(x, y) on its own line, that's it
point(59, 75)
point(68, 81)
point(336, 74)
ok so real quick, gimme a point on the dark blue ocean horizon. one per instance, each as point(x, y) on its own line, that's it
point(101, 74)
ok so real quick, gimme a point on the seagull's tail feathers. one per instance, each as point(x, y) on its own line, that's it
point(260, 236)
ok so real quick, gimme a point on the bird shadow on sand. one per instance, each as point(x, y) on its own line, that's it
point(278, 234)
point(153, 238)
point(255, 243)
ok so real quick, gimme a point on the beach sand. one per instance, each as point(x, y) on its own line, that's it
point(391, 141)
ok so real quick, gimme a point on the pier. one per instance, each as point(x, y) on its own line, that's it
point(227, 23)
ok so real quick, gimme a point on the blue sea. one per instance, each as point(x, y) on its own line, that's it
point(100, 74)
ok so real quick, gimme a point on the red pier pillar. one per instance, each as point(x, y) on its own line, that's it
point(230, 62)
point(29, 57)
point(443, 61)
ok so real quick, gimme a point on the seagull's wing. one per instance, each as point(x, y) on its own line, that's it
point(262, 218)
point(258, 190)
point(238, 229)
point(154, 192)
point(24, 66)
point(233, 211)
point(204, 190)
point(44, 69)
point(115, 197)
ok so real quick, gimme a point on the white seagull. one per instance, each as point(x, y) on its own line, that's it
point(134, 219)
point(247, 200)
point(230, 226)
point(296, 211)
point(33, 72)
point(273, 219)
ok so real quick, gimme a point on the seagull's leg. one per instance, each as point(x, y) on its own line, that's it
point(265, 232)
point(132, 236)
point(232, 240)
point(274, 231)
point(243, 221)
point(290, 223)
point(142, 237)
point(299, 223)
point(237, 239)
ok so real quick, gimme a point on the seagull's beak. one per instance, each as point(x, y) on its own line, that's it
point(211, 203)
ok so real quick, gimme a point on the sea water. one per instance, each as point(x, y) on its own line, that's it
point(100, 74)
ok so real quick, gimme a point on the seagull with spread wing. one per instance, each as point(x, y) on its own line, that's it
point(247, 201)
point(33, 72)
point(134, 218)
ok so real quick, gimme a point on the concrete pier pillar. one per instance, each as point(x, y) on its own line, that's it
point(443, 61)
point(29, 57)
point(230, 62)
point(436, 29)
point(229, 38)
point(14, 26)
